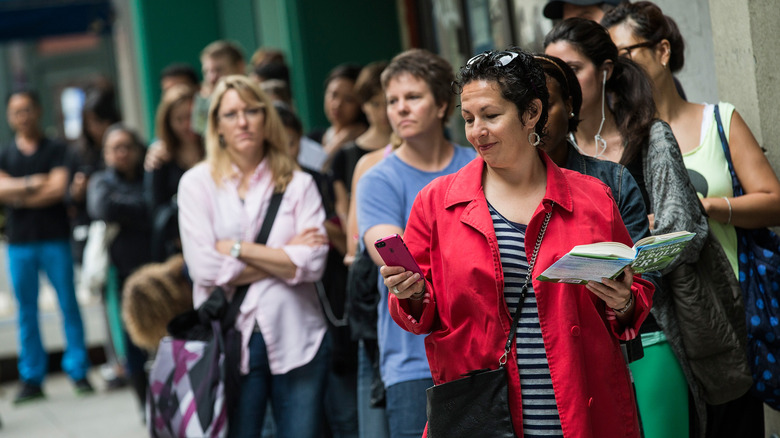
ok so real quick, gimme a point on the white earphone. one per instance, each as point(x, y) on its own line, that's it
point(601, 144)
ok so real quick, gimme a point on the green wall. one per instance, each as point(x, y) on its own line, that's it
point(316, 36)
point(165, 32)
point(236, 23)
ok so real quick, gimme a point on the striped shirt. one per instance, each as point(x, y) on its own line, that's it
point(540, 413)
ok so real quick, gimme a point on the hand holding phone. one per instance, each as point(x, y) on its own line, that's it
point(394, 252)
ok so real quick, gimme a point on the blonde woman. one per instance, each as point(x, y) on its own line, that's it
point(222, 204)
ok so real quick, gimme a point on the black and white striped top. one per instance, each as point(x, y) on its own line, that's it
point(540, 413)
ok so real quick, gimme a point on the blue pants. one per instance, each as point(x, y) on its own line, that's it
point(24, 263)
point(372, 421)
point(296, 397)
point(406, 408)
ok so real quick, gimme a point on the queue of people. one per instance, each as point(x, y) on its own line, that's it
point(590, 141)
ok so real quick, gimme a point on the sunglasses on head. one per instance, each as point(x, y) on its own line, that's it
point(500, 59)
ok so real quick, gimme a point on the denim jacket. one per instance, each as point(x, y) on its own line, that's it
point(624, 189)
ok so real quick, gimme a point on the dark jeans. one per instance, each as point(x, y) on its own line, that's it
point(296, 397)
point(341, 404)
point(406, 402)
point(372, 421)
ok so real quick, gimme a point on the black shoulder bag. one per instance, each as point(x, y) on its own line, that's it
point(478, 404)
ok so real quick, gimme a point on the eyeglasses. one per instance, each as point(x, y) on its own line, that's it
point(501, 59)
point(626, 51)
point(252, 113)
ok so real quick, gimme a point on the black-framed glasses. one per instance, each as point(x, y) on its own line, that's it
point(501, 59)
point(626, 51)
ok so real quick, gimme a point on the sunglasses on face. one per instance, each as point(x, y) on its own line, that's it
point(626, 51)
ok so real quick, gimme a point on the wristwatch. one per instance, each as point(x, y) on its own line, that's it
point(235, 250)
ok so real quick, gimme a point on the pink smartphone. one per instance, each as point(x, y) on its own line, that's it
point(394, 252)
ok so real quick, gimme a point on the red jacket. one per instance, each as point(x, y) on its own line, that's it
point(450, 233)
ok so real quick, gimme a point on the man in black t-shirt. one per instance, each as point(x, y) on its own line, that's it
point(33, 180)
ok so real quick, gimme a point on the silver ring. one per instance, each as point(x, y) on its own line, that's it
point(395, 290)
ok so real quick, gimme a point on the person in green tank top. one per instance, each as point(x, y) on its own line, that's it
point(644, 34)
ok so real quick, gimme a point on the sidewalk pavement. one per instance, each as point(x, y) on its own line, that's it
point(63, 414)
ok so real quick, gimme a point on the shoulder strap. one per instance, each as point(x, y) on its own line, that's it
point(724, 142)
point(531, 263)
point(262, 237)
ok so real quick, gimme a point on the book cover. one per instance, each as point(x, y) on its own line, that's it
point(607, 259)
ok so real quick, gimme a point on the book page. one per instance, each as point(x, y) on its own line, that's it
point(663, 237)
point(606, 249)
point(578, 269)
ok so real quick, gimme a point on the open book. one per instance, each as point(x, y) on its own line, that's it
point(607, 259)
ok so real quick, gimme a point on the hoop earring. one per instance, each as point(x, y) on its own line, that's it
point(222, 143)
point(535, 142)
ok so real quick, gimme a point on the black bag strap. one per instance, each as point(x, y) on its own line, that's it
point(262, 237)
point(519, 310)
point(738, 191)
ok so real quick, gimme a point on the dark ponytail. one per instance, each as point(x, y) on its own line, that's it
point(630, 98)
point(649, 23)
point(629, 92)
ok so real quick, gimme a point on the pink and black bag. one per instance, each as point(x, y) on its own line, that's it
point(194, 382)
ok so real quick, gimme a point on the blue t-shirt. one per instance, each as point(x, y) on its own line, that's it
point(385, 195)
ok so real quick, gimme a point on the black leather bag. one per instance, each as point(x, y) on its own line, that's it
point(478, 404)
point(471, 406)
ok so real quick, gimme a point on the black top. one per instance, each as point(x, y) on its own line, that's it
point(162, 184)
point(344, 163)
point(115, 199)
point(25, 225)
point(636, 168)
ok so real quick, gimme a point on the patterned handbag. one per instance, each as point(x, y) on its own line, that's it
point(194, 382)
point(759, 276)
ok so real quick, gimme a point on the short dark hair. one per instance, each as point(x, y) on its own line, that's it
point(121, 127)
point(289, 119)
point(28, 92)
point(343, 71)
point(369, 82)
point(649, 22)
point(273, 70)
point(431, 68)
point(180, 70)
point(560, 72)
point(521, 80)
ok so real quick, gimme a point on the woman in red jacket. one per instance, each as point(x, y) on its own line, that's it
point(467, 232)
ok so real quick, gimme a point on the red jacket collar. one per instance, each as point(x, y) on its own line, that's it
point(466, 185)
